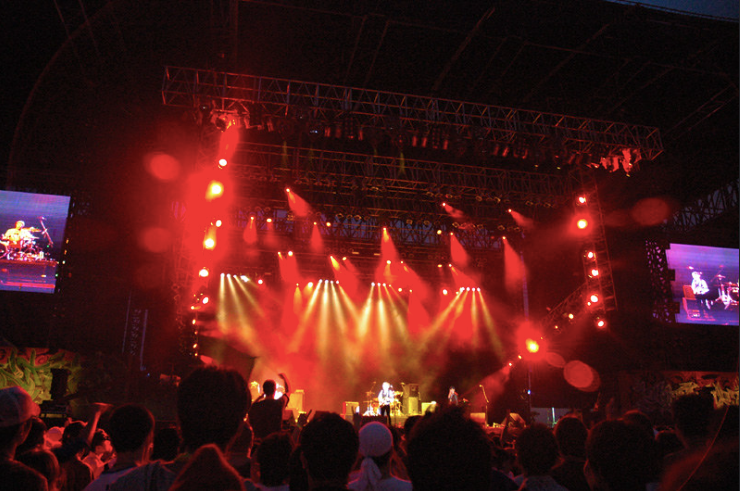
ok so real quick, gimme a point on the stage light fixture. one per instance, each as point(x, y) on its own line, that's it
point(532, 345)
point(594, 272)
point(600, 323)
point(269, 220)
point(582, 223)
point(260, 281)
point(209, 243)
point(222, 163)
point(581, 200)
point(287, 190)
point(594, 298)
point(290, 253)
point(203, 273)
point(444, 291)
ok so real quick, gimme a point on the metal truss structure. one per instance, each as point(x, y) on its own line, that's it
point(394, 187)
point(664, 309)
point(403, 115)
point(705, 209)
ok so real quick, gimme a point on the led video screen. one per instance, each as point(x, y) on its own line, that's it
point(32, 227)
point(706, 284)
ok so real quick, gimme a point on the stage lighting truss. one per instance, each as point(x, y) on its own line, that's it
point(403, 116)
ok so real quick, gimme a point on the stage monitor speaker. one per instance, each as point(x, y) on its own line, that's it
point(350, 407)
point(428, 406)
point(412, 406)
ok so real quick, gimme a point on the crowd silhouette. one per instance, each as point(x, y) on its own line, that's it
point(213, 447)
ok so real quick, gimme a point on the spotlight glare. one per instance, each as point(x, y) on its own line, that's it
point(439, 265)
point(439, 231)
point(594, 298)
point(594, 272)
point(222, 163)
point(310, 284)
point(444, 291)
point(532, 346)
point(581, 200)
point(287, 190)
point(344, 258)
point(204, 273)
point(328, 224)
point(209, 243)
point(290, 253)
point(269, 220)
point(600, 323)
point(582, 223)
point(259, 282)
point(388, 261)
point(219, 223)
point(205, 300)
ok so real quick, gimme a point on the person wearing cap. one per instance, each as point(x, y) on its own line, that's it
point(16, 412)
point(376, 448)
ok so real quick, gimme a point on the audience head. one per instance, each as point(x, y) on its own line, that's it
point(619, 457)
point(16, 410)
point(298, 477)
point(211, 404)
point(130, 427)
point(269, 387)
point(447, 451)
point(537, 450)
point(44, 462)
point(35, 439)
point(243, 442)
point(571, 435)
point(692, 414)
point(329, 445)
point(166, 444)
point(376, 443)
point(273, 459)
point(641, 420)
point(72, 431)
point(208, 469)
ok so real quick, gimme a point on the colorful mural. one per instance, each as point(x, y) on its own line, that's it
point(97, 376)
point(654, 392)
point(30, 369)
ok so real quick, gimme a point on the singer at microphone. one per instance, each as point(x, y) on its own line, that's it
point(452, 398)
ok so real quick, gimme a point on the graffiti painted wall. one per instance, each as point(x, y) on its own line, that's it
point(654, 392)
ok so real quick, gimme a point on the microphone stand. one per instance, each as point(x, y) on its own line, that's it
point(483, 389)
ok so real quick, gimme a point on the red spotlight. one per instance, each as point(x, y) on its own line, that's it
point(259, 281)
point(222, 163)
point(328, 224)
point(532, 345)
point(594, 298)
point(591, 255)
point(444, 291)
point(581, 200)
point(582, 223)
point(439, 231)
point(209, 243)
point(215, 190)
point(594, 272)
point(287, 190)
point(290, 253)
point(203, 273)
point(444, 205)
point(600, 323)
point(269, 220)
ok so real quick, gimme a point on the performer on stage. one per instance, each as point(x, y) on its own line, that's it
point(452, 398)
point(701, 292)
point(385, 399)
point(20, 233)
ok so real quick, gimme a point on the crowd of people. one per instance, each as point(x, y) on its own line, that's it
point(215, 447)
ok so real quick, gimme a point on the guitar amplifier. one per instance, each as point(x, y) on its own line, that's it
point(350, 407)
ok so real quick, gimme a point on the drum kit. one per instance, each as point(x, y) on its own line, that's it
point(728, 292)
point(20, 245)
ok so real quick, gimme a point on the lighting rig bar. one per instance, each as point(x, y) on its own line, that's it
point(249, 96)
point(382, 185)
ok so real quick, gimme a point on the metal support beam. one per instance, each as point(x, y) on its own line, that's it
point(705, 209)
point(395, 112)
